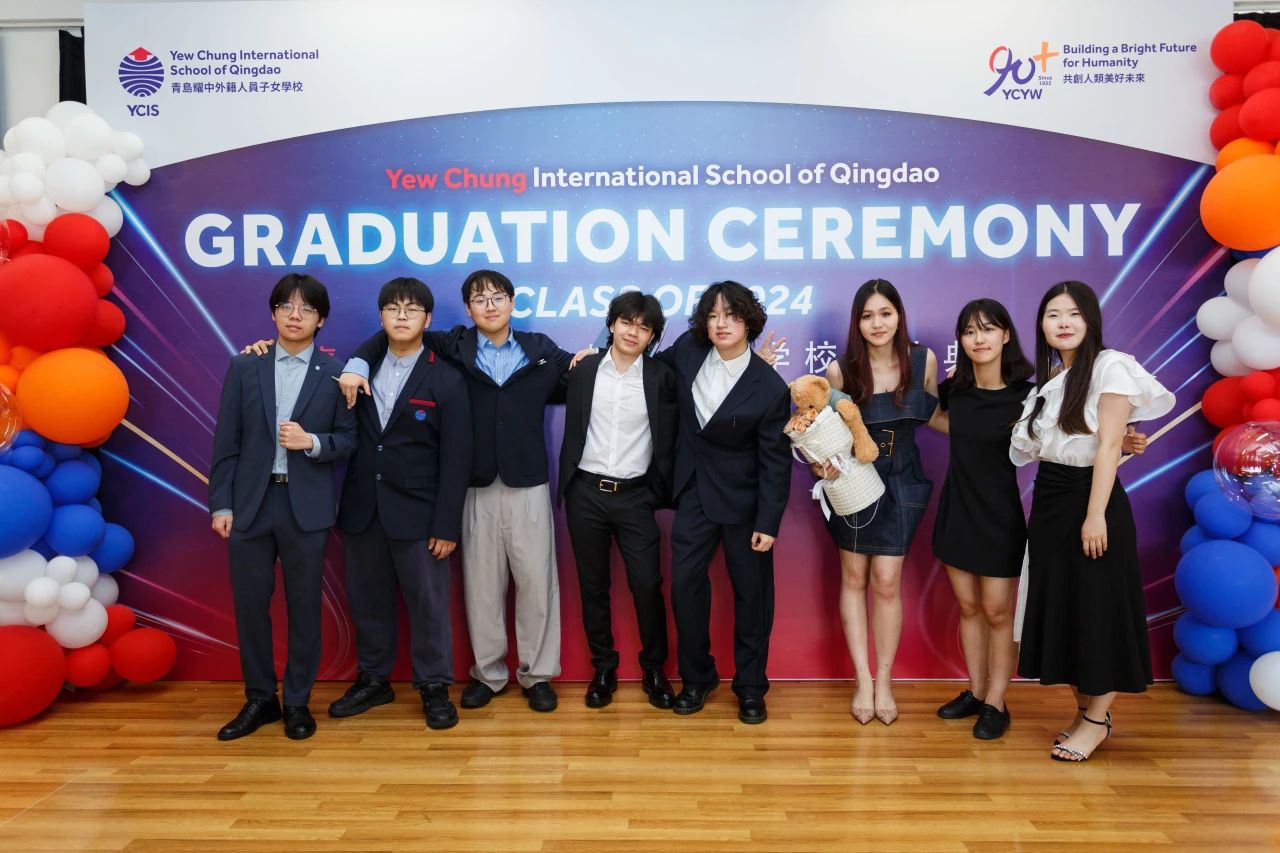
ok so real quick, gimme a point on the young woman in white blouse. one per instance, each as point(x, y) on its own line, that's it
point(1085, 622)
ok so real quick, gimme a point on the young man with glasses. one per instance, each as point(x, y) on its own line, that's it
point(506, 522)
point(281, 424)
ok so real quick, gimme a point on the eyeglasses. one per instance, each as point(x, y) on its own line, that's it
point(287, 308)
point(410, 311)
point(497, 300)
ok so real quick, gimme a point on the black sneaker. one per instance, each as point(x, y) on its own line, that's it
point(477, 694)
point(991, 723)
point(437, 708)
point(541, 696)
point(964, 705)
point(368, 692)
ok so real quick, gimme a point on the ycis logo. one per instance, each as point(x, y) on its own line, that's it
point(141, 74)
point(1014, 75)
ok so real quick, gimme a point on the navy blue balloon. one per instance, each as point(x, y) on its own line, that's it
point(75, 530)
point(74, 482)
point(1193, 537)
point(63, 452)
point(1198, 486)
point(1194, 678)
point(42, 548)
point(1204, 644)
point(25, 510)
point(1265, 539)
point(1225, 584)
point(45, 468)
point(1262, 636)
point(29, 438)
point(1220, 517)
point(1232, 679)
point(115, 551)
point(27, 457)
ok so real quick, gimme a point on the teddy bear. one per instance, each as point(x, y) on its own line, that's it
point(811, 394)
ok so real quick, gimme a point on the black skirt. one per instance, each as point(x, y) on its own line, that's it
point(1086, 621)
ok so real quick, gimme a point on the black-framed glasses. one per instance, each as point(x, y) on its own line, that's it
point(496, 300)
point(410, 311)
point(287, 308)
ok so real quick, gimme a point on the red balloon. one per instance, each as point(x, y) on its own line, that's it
point(87, 666)
point(31, 247)
point(17, 235)
point(32, 670)
point(1264, 75)
point(120, 621)
point(1273, 37)
point(107, 327)
point(1222, 402)
point(1227, 91)
point(1266, 410)
point(1239, 46)
point(1217, 439)
point(1258, 385)
point(48, 302)
point(111, 679)
point(1226, 127)
point(143, 655)
point(1246, 411)
point(102, 279)
point(1260, 115)
point(78, 238)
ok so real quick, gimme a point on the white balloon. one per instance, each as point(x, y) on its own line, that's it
point(26, 162)
point(1264, 678)
point(64, 111)
point(89, 136)
point(75, 629)
point(35, 232)
point(40, 137)
point(138, 173)
point(8, 138)
point(73, 596)
point(111, 167)
point(1224, 360)
point(1264, 287)
point(42, 592)
point(106, 591)
point(6, 194)
point(1219, 316)
point(17, 571)
point(86, 571)
point(12, 613)
point(110, 215)
point(40, 615)
point(39, 212)
point(1236, 282)
point(26, 187)
point(128, 145)
point(1256, 344)
point(62, 569)
point(74, 184)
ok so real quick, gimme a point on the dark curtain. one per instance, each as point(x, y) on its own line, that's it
point(1271, 20)
point(71, 67)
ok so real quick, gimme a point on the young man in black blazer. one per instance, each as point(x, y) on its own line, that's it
point(281, 425)
point(615, 470)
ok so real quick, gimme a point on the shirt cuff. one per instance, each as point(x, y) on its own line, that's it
point(221, 512)
point(358, 366)
point(315, 446)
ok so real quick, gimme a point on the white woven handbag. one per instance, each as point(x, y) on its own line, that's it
point(827, 440)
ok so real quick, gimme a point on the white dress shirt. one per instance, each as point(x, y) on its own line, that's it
point(715, 380)
point(618, 442)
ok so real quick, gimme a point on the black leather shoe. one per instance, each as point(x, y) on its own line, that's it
point(751, 710)
point(255, 713)
point(658, 689)
point(692, 697)
point(601, 689)
point(964, 705)
point(541, 696)
point(477, 694)
point(298, 722)
point(991, 723)
point(437, 708)
point(369, 691)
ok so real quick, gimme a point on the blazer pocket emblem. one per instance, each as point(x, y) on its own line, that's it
point(431, 404)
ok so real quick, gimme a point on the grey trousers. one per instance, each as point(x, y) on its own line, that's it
point(508, 533)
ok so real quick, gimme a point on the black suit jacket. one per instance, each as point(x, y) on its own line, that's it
point(741, 459)
point(660, 400)
point(244, 440)
point(413, 473)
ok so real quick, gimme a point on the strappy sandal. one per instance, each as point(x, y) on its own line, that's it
point(1063, 734)
point(1075, 756)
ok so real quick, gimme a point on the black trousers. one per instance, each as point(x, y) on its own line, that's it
point(376, 566)
point(693, 542)
point(274, 532)
point(595, 519)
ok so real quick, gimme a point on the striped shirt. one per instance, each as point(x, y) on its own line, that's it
point(500, 362)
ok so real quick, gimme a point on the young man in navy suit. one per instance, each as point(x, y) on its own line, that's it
point(401, 508)
point(281, 424)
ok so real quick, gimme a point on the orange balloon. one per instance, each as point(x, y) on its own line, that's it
point(9, 376)
point(1239, 207)
point(1238, 149)
point(20, 357)
point(73, 395)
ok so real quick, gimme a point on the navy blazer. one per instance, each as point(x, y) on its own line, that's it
point(413, 473)
point(741, 458)
point(244, 440)
point(660, 400)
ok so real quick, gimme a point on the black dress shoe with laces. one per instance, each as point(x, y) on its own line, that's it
point(991, 723)
point(964, 705)
point(477, 694)
point(658, 689)
point(437, 707)
point(751, 710)
point(541, 696)
point(692, 697)
point(602, 687)
point(255, 713)
point(298, 722)
point(369, 691)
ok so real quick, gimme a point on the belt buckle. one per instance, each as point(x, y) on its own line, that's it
point(889, 449)
point(279, 478)
point(601, 485)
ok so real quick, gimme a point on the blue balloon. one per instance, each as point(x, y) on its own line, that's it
point(74, 482)
point(115, 551)
point(1225, 584)
point(94, 503)
point(47, 464)
point(25, 510)
point(63, 452)
point(75, 530)
point(1193, 537)
point(1194, 678)
point(1221, 517)
point(1265, 539)
point(1204, 644)
point(92, 461)
point(5, 456)
point(1262, 636)
point(28, 458)
point(42, 548)
point(1198, 486)
point(29, 438)
point(1233, 681)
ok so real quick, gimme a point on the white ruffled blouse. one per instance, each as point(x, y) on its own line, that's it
point(1114, 372)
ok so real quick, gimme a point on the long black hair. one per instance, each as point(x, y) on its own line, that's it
point(1014, 366)
point(858, 381)
point(1071, 416)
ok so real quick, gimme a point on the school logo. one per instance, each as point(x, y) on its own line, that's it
point(1016, 75)
point(141, 73)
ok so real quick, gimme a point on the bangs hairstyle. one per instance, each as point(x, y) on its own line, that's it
point(1076, 390)
point(740, 301)
point(859, 383)
point(1014, 366)
point(406, 290)
point(313, 292)
point(638, 308)
point(481, 280)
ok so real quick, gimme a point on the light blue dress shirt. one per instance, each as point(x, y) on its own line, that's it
point(389, 381)
point(500, 362)
point(291, 370)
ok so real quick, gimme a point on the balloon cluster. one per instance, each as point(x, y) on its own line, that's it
point(66, 162)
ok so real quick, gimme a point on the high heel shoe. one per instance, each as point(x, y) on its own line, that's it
point(1063, 734)
point(1075, 756)
point(887, 715)
point(862, 715)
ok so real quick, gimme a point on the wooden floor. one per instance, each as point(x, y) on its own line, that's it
point(139, 769)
